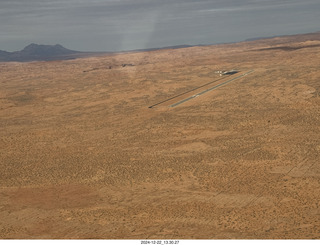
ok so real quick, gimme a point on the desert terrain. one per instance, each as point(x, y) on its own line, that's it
point(83, 156)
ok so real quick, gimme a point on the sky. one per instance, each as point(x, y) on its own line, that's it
point(118, 25)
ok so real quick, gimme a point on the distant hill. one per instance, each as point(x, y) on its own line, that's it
point(297, 37)
point(36, 52)
point(169, 47)
point(4, 54)
point(45, 50)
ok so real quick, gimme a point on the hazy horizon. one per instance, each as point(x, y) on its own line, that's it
point(117, 25)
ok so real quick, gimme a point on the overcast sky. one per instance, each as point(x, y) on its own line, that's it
point(115, 25)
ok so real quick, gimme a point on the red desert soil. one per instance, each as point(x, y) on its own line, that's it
point(82, 155)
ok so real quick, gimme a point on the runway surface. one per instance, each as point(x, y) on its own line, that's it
point(210, 89)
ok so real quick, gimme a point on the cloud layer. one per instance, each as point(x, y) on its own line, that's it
point(109, 25)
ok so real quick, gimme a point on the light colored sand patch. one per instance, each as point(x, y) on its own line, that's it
point(304, 91)
point(208, 134)
point(196, 146)
point(233, 200)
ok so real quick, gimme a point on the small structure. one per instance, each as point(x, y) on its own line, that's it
point(124, 65)
point(231, 72)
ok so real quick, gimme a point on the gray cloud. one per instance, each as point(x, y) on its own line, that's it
point(131, 24)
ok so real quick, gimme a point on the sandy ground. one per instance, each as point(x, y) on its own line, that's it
point(82, 155)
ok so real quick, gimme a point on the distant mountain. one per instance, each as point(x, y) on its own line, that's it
point(4, 53)
point(302, 37)
point(169, 47)
point(46, 50)
point(36, 52)
point(258, 38)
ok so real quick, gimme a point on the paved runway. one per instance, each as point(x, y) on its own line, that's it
point(210, 89)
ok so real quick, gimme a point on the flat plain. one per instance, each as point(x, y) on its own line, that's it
point(83, 156)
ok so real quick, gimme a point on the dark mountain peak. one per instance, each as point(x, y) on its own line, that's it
point(59, 46)
point(40, 52)
point(31, 46)
point(46, 50)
